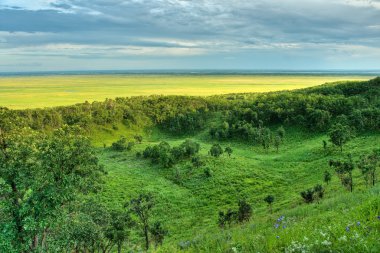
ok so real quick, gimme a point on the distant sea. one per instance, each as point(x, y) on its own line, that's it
point(200, 72)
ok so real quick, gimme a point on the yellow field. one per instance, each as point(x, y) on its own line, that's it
point(46, 91)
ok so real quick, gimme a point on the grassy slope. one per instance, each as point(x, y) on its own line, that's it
point(189, 210)
point(46, 91)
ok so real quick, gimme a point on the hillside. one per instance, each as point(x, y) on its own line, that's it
point(208, 163)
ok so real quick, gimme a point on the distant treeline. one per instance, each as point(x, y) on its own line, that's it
point(353, 103)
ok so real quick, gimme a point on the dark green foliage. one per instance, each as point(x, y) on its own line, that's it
point(142, 207)
point(308, 195)
point(197, 162)
point(319, 192)
point(138, 138)
point(41, 176)
point(228, 150)
point(312, 194)
point(208, 172)
point(166, 156)
point(340, 134)
point(183, 123)
point(227, 218)
point(244, 212)
point(158, 233)
point(281, 133)
point(216, 150)
point(344, 169)
point(368, 165)
point(277, 142)
point(326, 177)
point(120, 145)
point(324, 144)
point(269, 200)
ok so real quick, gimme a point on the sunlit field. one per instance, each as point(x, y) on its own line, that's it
point(46, 91)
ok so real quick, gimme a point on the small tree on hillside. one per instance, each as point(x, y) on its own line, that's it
point(138, 138)
point(228, 150)
point(197, 162)
point(266, 138)
point(281, 133)
point(327, 177)
point(344, 171)
point(324, 144)
point(142, 207)
point(216, 150)
point(120, 145)
point(244, 212)
point(368, 165)
point(269, 199)
point(158, 233)
point(277, 142)
point(340, 134)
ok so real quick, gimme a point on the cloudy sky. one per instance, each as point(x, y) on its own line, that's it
point(44, 35)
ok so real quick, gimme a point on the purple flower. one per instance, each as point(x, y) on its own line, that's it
point(358, 223)
point(281, 218)
point(284, 227)
point(378, 217)
point(277, 237)
point(347, 228)
point(276, 225)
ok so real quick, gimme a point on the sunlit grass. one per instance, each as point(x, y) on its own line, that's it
point(47, 91)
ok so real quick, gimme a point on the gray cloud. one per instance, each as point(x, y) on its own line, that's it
point(325, 30)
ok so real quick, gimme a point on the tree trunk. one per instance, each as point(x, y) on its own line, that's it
point(146, 234)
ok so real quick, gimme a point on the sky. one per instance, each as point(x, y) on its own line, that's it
point(58, 35)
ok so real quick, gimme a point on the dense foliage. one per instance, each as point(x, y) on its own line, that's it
point(50, 175)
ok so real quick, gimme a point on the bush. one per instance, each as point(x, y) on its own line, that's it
point(120, 145)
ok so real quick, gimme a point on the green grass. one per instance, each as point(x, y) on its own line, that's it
point(47, 91)
point(189, 210)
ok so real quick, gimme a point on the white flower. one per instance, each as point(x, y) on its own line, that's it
point(343, 238)
point(326, 243)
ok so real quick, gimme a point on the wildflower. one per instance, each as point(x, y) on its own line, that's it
point(326, 243)
point(276, 225)
point(342, 239)
point(281, 218)
point(358, 223)
point(378, 217)
point(277, 236)
point(347, 228)
point(284, 227)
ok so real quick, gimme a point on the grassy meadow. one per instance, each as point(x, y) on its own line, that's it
point(282, 143)
point(190, 208)
point(47, 91)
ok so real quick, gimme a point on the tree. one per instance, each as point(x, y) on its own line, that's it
point(158, 233)
point(281, 133)
point(120, 145)
point(138, 138)
point(318, 192)
point(266, 138)
point(277, 142)
point(142, 207)
point(216, 150)
point(41, 177)
point(324, 144)
point(308, 195)
point(327, 177)
point(340, 134)
point(228, 150)
point(368, 165)
point(226, 218)
point(197, 162)
point(269, 199)
point(344, 171)
point(244, 212)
